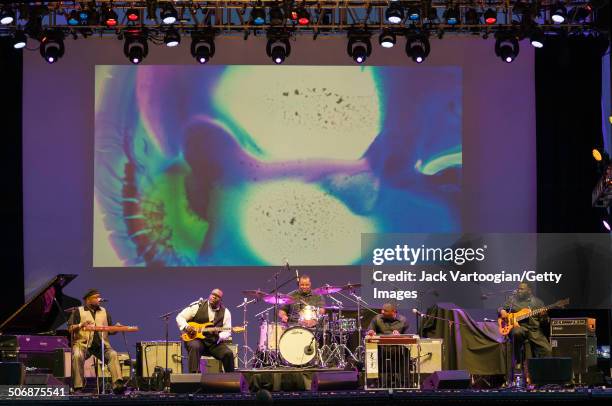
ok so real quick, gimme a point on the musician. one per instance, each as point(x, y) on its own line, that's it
point(303, 297)
point(388, 322)
point(529, 329)
point(204, 311)
point(88, 343)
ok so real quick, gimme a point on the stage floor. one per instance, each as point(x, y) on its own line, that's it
point(356, 397)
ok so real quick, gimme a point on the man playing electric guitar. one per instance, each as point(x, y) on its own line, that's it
point(203, 312)
point(529, 328)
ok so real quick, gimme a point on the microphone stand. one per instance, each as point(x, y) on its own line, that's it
point(165, 317)
point(276, 296)
point(245, 346)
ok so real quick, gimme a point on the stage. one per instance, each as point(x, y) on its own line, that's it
point(342, 397)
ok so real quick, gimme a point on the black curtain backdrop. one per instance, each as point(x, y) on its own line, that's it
point(568, 124)
point(568, 127)
point(12, 282)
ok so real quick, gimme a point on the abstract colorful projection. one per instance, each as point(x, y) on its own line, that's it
point(251, 165)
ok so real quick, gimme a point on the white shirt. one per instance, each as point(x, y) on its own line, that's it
point(190, 311)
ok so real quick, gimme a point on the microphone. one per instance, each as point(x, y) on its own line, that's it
point(103, 300)
point(416, 311)
point(297, 277)
point(309, 349)
point(487, 319)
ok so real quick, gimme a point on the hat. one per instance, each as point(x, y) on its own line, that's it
point(91, 292)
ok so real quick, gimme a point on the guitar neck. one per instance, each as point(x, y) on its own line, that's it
point(534, 313)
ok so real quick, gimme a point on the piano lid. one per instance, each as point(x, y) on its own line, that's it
point(40, 314)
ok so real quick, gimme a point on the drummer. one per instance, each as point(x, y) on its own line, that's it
point(306, 302)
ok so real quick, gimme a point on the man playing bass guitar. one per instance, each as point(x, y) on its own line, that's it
point(204, 312)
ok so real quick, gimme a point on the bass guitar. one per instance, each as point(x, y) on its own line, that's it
point(201, 329)
point(512, 320)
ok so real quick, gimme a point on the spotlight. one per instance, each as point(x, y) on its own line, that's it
point(558, 13)
point(387, 39)
point(451, 15)
point(84, 17)
point(303, 16)
point(109, 17)
point(417, 47)
point(19, 40)
point(132, 15)
point(73, 18)
point(168, 14)
point(278, 47)
point(277, 16)
point(202, 46)
point(606, 225)
point(506, 47)
point(597, 155)
point(7, 16)
point(359, 46)
point(258, 16)
point(52, 46)
point(537, 38)
point(414, 14)
point(172, 38)
point(394, 14)
point(490, 16)
point(136, 47)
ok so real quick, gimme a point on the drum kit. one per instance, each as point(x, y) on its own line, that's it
point(317, 339)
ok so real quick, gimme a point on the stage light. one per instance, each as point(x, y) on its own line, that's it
point(168, 14)
point(258, 16)
point(359, 46)
point(84, 17)
point(506, 46)
point(7, 16)
point(558, 13)
point(417, 47)
point(52, 46)
point(73, 18)
point(597, 155)
point(172, 38)
point(278, 48)
point(606, 225)
point(109, 17)
point(132, 15)
point(394, 14)
point(303, 16)
point(490, 16)
point(387, 39)
point(277, 16)
point(202, 46)
point(537, 38)
point(471, 16)
point(451, 15)
point(136, 47)
point(19, 40)
point(414, 13)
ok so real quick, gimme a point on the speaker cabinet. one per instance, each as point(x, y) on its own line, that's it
point(456, 379)
point(151, 354)
point(430, 359)
point(581, 349)
point(550, 370)
point(12, 373)
point(185, 383)
point(335, 380)
point(224, 383)
point(210, 365)
point(124, 363)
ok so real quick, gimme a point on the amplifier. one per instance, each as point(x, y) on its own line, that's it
point(124, 363)
point(430, 359)
point(581, 349)
point(580, 326)
point(57, 361)
point(151, 354)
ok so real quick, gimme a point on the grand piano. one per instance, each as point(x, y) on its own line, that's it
point(31, 336)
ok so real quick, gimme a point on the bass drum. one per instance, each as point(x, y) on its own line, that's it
point(298, 346)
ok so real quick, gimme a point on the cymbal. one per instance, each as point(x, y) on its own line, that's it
point(255, 293)
point(282, 299)
point(327, 290)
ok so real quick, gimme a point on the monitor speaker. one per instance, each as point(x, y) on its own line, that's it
point(455, 379)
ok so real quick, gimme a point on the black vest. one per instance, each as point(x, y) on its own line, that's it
point(201, 315)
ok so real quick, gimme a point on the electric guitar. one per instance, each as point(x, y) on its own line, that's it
point(507, 324)
point(201, 329)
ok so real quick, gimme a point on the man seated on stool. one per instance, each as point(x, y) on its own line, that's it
point(87, 343)
point(204, 311)
point(388, 322)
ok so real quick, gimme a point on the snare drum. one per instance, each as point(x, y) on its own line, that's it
point(347, 325)
point(269, 333)
point(298, 346)
point(309, 316)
